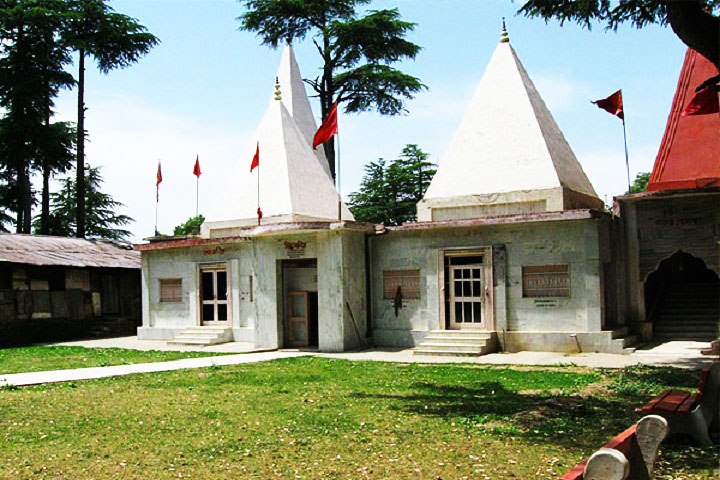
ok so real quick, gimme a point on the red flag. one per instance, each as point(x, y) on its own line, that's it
point(256, 158)
point(196, 170)
point(328, 128)
point(158, 180)
point(704, 102)
point(612, 104)
point(259, 214)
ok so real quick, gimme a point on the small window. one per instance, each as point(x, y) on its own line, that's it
point(171, 289)
point(546, 281)
point(407, 280)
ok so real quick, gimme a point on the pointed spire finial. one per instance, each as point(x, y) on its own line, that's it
point(504, 37)
point(278, 94)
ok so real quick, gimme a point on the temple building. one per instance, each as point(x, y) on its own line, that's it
point(513, 250)
point(670, 235)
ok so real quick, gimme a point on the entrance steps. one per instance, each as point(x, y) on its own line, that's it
point(466, 343)
point(690, 311)
point(621, 341)
point(203, 336)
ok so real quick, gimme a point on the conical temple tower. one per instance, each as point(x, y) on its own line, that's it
point(295, 99)
point(508, 155)
point(689, 154)
point(294, 183)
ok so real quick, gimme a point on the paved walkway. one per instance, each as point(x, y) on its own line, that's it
point(53, 376)
point(678, 354)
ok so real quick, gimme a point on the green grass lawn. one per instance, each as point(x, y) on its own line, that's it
point(38, 359)
point(313, 418)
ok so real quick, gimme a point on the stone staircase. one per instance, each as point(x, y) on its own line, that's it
point(690, 311)
point(466, 343)
point(622, 341)
point(203, 336)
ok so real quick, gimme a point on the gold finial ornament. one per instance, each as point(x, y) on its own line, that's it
point(504, 37)
point(278, 94)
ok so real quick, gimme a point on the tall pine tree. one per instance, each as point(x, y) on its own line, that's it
point(389, 192)
point(357, 52)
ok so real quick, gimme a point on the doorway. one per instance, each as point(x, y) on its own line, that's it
point(682, 299)
point(467, 280)
point(300, 325)
point(214, 295)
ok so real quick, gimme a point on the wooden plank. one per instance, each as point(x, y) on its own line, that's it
point(576, 473)
point(688, 404)
point(648, 407)
point(671, 402)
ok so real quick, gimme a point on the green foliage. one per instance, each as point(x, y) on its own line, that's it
point(695, 22)
point(113, 40)
point(100, 208)
point(640, 183)
point(389, 192)
point(32, 72)
point(357, 51)
point(190, 227)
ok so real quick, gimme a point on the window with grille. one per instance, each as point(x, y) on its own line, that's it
point(171, 290)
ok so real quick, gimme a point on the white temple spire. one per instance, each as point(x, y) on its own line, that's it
point(296, 101)
point(508, 155)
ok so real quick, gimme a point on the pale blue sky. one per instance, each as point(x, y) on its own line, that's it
point(204, 89)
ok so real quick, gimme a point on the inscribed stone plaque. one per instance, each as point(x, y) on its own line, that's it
point(546, 281)
point(407, 280)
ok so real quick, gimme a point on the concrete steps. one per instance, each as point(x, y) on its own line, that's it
point(467, 343)
point(622, 341)
point(203, 336)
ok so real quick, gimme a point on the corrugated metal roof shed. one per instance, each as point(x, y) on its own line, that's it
point(69, 252)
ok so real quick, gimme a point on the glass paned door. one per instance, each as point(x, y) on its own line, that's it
point(467, 292)
point(214, 298)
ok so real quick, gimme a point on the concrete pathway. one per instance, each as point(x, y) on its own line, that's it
point(53, 376)
point(677, 354)
point(132, 343)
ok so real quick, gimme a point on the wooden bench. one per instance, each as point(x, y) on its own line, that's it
point(687, 413)
point(629, 456)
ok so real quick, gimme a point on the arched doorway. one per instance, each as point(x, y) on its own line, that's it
point(682, 298)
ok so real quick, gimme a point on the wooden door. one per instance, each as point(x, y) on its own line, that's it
point(214, 297)
point(467, 296)
point(297, 319)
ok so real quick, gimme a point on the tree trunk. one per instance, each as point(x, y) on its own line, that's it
point(45, 202)
point(697, 28)
point(327, 91)
point(27, 202)
point(80, 167)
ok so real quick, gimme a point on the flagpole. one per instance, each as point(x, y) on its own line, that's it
point(157, 200)
point(258, 192)
point(627, 161)
point(197, 195)
point(337, 169)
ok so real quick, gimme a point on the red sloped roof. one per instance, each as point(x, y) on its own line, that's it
point(689, 155)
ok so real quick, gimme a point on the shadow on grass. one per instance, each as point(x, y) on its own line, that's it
point(570, 421)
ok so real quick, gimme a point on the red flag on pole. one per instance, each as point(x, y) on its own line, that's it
point(259, 214)
point(328, 128)
point(256, 158)
point(612, 104)
point(704, 102)
point(158, 180)
point(196, 170)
